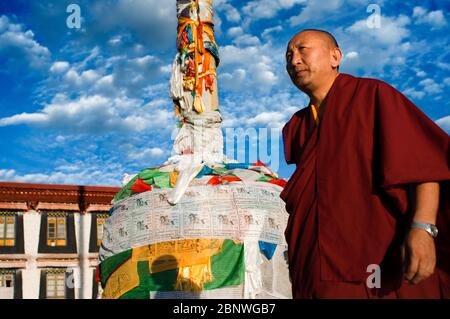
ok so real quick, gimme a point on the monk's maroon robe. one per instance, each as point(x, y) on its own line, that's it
point(350, 198)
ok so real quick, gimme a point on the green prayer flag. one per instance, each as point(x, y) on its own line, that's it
point(264, 178)
point(109, 265)
point(126, 191)
point(227, 269)
point(162, 181)
point(149, 173)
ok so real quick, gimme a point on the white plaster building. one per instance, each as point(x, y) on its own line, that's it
point(49, 240)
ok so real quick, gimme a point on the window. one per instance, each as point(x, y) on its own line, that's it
point(101, 218)
point(56, 230)
point(6, 278)
point(7, 230)
point(56, 284)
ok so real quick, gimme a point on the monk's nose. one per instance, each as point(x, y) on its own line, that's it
point(296, 58)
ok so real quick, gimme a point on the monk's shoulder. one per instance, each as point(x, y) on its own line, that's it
point(298, 116)
point(295, 121)
point(375, 84)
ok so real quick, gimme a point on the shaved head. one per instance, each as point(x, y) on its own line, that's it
point(312, 59)
point(325, 35)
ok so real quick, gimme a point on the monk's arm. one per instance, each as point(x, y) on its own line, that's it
point(420, 257)
point(427, 201)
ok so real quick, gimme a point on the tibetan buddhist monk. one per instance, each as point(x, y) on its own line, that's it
point(368, 202)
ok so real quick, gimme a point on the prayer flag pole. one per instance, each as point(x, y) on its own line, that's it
point(194, 90)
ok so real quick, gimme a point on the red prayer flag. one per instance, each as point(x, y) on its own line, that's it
point(279, 182)
point(214, 181)
point(140, 186)
point(97, 274)
point(259, 163)
point(230, 179)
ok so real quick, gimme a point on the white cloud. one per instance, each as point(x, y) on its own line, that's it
point(6, 174)
point(235, 31)
point(352, 55)
point(60, 139)
point(86, 78)
point(134, 75)
point(231, 54)
point(93, 114)
point(419, 11)
point(372, 50)
point(253, 68)
point(247, 68)
point(229, 121)
point(145, 61)
point(447, 81)
point(266, 33)
point(101, 94)
point(262, 74)
point(92, 56)
point(114, 76)
point(444, 123)
point(392, 31)
point(267, 118)
point(166, 68)
point(4, 22)
point(59, 67)
point(314, 12)
point(314, 9)
point(146, 154)
point(246, 39)
point(151, 21)
point(444, 66)
point(89, 76)
point(413, 93)
point(231, 13)
point(21, 44)
point(232, 81)
point(116, 40)
point(261, 110)
point(84, 177)
point(421, 73)
point(261, 9)
point(430, 86)
point(105, 80)
point(68, 168)
point(105, 83)
point(435, 18)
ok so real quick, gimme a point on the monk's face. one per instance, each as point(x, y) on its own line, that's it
point(309, 60)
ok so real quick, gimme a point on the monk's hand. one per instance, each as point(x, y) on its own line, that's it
point(419, 256)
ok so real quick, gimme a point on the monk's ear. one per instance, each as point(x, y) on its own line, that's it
point(335, 57)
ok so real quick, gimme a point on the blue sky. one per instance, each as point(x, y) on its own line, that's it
point(84, 106)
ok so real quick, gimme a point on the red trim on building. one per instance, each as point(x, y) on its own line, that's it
point(32, 194)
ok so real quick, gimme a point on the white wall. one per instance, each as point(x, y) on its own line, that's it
point(31, 274)
point(83, 289)
point(82, 271)
point(31, 228)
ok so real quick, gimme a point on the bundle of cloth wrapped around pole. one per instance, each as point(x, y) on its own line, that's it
point(200, 225)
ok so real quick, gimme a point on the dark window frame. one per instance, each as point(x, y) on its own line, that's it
point(59, 227)
point(4, 273)
point(93, 243)
point(17, 281)
point(69, 293)
point(71, 243)
point(19, 245)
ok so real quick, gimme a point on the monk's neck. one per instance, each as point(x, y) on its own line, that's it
point(318, 95)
